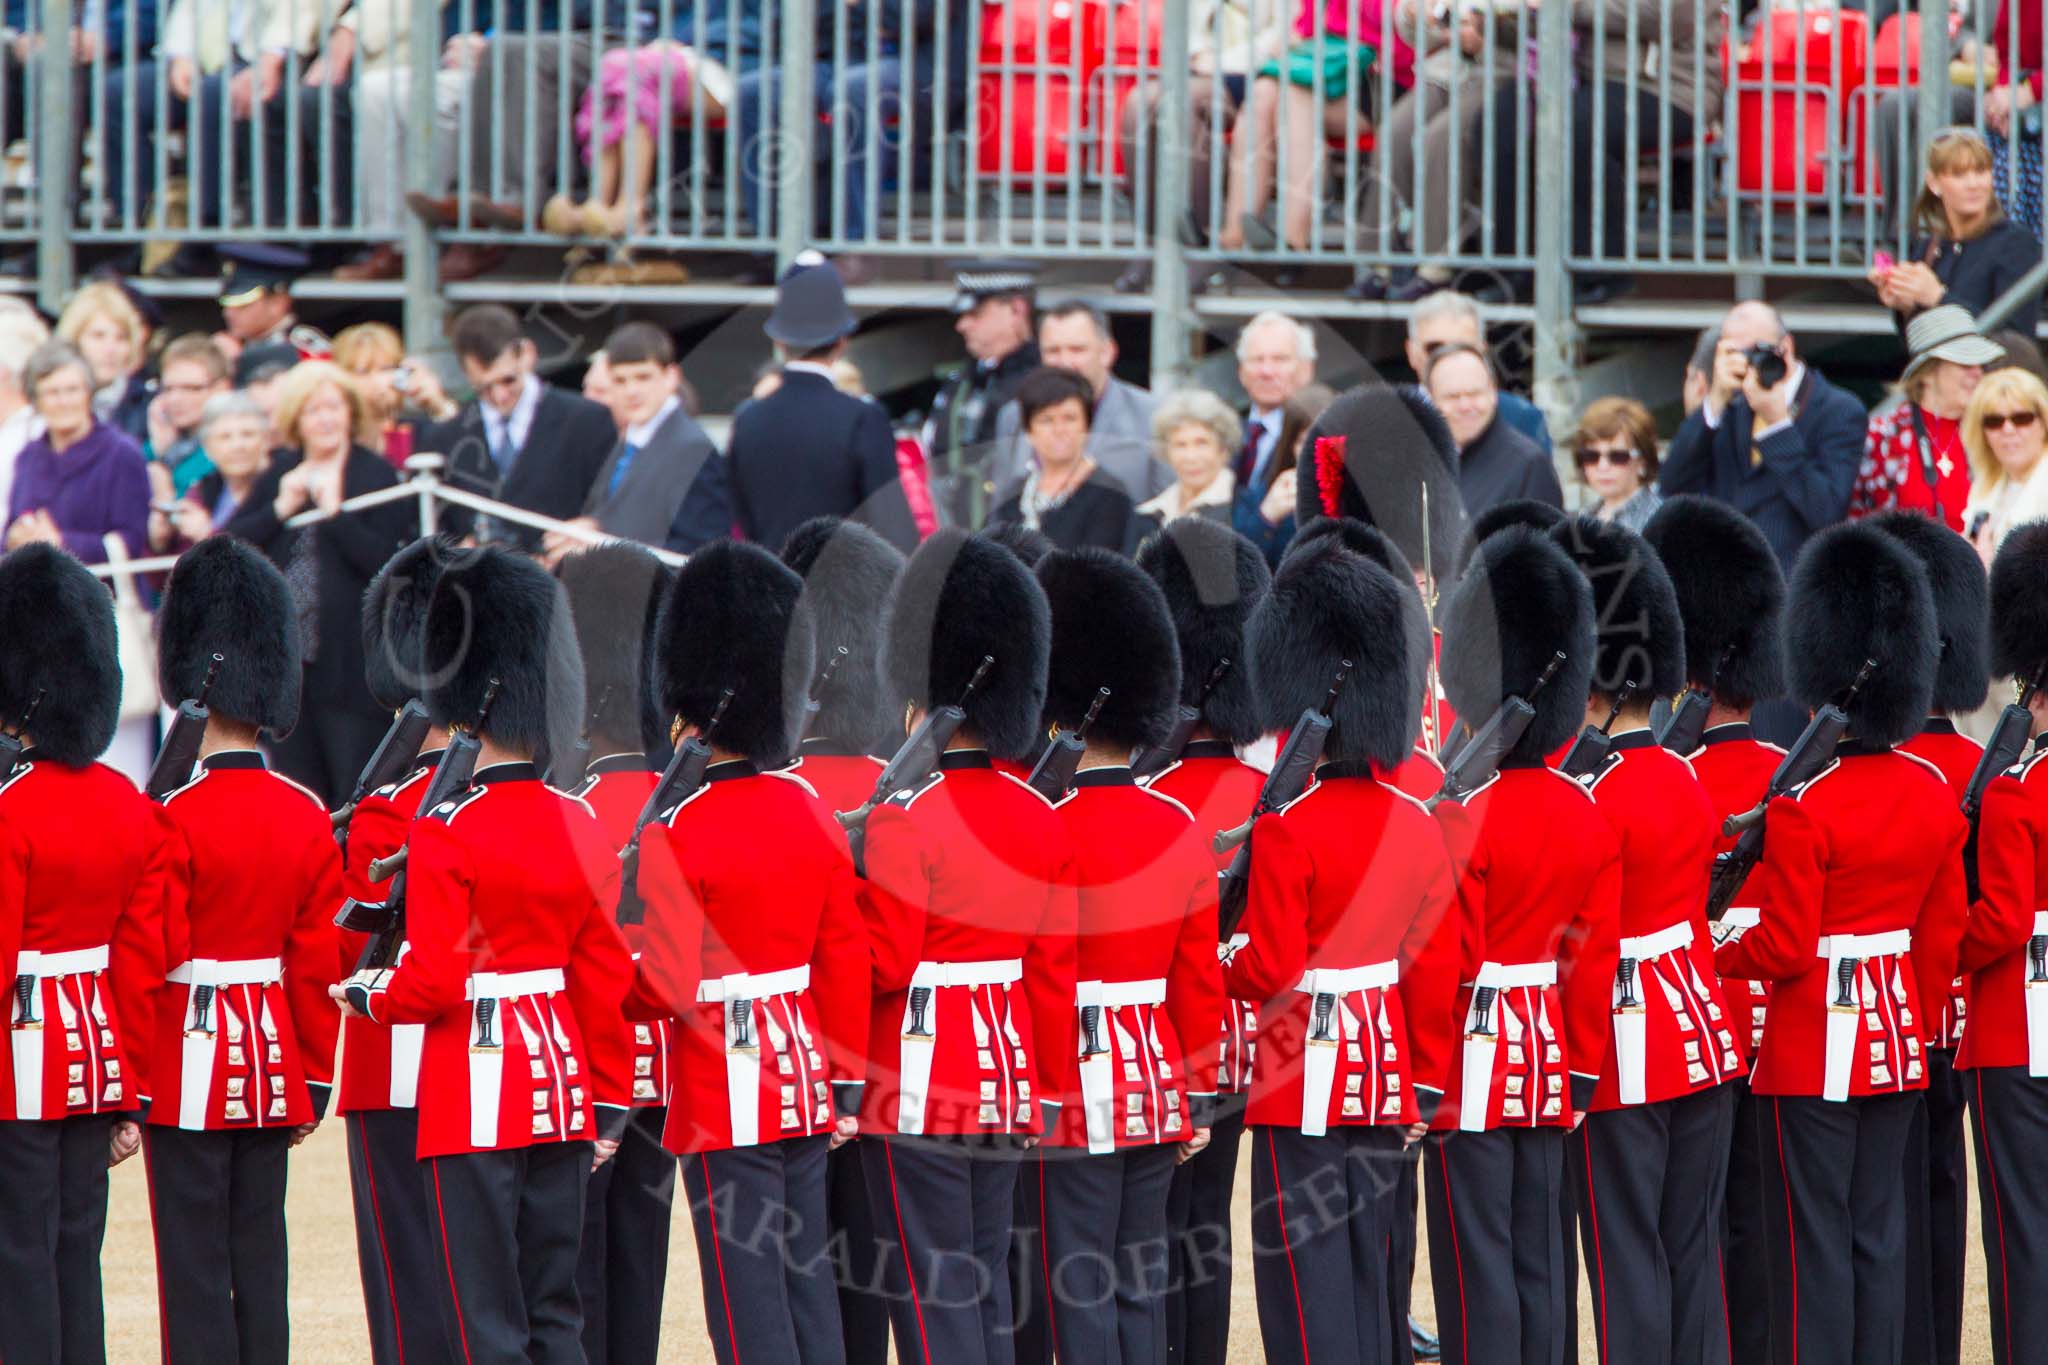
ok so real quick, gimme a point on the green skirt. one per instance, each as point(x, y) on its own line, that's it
point(1338, 57)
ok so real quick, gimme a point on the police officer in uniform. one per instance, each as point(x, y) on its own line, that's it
point(992, 304)
point(243, 1050)
point(81, 946)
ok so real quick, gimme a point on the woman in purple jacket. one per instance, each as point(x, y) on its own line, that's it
point(81, 479)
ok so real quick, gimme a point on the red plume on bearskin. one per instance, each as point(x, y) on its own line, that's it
point(1373, 452)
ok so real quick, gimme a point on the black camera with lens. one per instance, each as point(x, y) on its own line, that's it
point(1767, 363)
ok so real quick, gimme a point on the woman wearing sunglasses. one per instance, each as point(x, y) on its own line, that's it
point(2005, 431)
point(1616, 448)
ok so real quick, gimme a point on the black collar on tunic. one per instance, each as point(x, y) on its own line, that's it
point(1339, 768)
point(730, 769)
point(1938, 725)
point(1853, 747)
point(1722, 734)
point(1119, 776)
point(1635, 739)
point(429, 758)
point(235, 758)
point(954, 759)
point(506, 772)
point(620, 763)
point(1209, 748)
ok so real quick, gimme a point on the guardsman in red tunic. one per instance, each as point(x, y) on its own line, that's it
point(1937, 1211)
point(1539, 889)
point(243, 1051)
point(969, 903)
point(1351, 954)
point(615, 594)
point(1647, 1163)
point(513, 965)
point(1731, 597)
point(81, 947)
point(1862, 895)
point(849, 573)
point(2004, 959)
point(1212, 578)
point(377, 1092)
point(755, 949)
point(1139, 1051)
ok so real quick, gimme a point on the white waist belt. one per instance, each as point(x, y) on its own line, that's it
point(1509, 975)
point(206, 971)
point(1116, 994)
point(514, 985)
point(1835, 947)
point(1344, 980)
point(76, 962)
point(754, 986)
point(992, 973)
point(1667, 940)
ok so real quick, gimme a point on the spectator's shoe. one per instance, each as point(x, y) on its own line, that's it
point(562, 216)
point(1415, 287)
point(1600, 288)
point(628, 269)
point(1369, 287)
point(1423, 1342)
point(190, 261)
point(446, 210)
point(381, 262)
point(466, 261)
point(1512, 286)
point(1136, 279)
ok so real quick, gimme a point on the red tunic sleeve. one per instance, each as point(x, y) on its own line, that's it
point(2008, 852)
point(430, 980)
point(312, 960)
point(1194, 984)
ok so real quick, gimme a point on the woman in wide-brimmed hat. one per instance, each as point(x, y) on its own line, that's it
point(1913, 454)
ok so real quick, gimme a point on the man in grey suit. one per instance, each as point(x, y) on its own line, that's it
point(1075, 336)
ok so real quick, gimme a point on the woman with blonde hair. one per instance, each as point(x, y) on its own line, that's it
point(327, 427)
point(2005, 430)
point(106, 327)
point(1957, 209)
point(398, 392)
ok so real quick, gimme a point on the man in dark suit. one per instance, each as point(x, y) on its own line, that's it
point(521, 440)
point(664, 483)
point(808, 450)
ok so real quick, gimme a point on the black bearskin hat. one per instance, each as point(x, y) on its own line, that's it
point(225, 598)
point(848, 573)
point(1638, 637)
point(615, 594)
point(499, 616)
point(1962, 606)
point(1328, 606)
point(1370, 455)
point(1856, 594)
point(1520, 602)
point(734, 619)
point(1361, 538)
point(1213, 579)
point(58, 622)
point(2019, 603)
point(960, 599)
point(1513, 512)
point(395, 617)
point(1020, 540)
point(1731, 596)
point(1110, 628)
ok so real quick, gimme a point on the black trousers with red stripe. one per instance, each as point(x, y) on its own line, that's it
point(1650, 1181)
point(1105, 1257)
point(1745, 1256)
point(1937, 1218)
point(1198, 1222)
point(1322, 1228)
point(760, 1220)
point(2011, 1111)
point(508, 1226)
point(405, 1286)
point(624, 1264)
point(856, 1257)
point(1835, 1214)
point(1497, 1258)
point(1401, 1245)
point(53, 1210)
point(216, 1203)
point(943, 1213)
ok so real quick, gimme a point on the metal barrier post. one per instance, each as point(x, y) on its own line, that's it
point(423, 305)
point(1556, 340)
point(1169, 149)
point(794, 164)
point(1933, 94)
point(53, 157)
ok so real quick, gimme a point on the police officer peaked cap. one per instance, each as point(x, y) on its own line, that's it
point(1513, 512)
point(734, 619)
point(1856, 594)
point(499, 616)
point(1370, 456)
point(615, 594)
point(2019, 603)
point(58, 622)
point(848, 574)
point(395, 620)
point(225, 598)
point(1520, 601)
point(1638, 636)
point(962, 598)
point(1328, 607)
point(1110, 628)
point(1731, 596)
point(1213, 579)
point(1962, 606)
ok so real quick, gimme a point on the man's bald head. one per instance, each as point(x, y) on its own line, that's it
point(1755, 323)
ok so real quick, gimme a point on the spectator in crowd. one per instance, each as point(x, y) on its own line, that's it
point(193, 371)
point(1895, 128)
point(597, 386)
point(992, 313)
point(807, 449)
point(1447, 318)
point(402, 395)
point(521, 440)
point(2005, 431)
point(1075, 335)
point(1699, 370)
point(20, 335)
point(328, 563)
point(80, 481)
point(1298, 417)
point(256, 296)
point(109, 330)
point(1913, 454)
point(1276, 359)
point(100, 30)
point(1496, 463)
point(664, 483)
point(236, 434)
point(1616, 447)
point(1965, 251)
point(1194, 432)
point(1065, 496)
point(260, 372)
point(1784, 454)
point(2020, 351)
